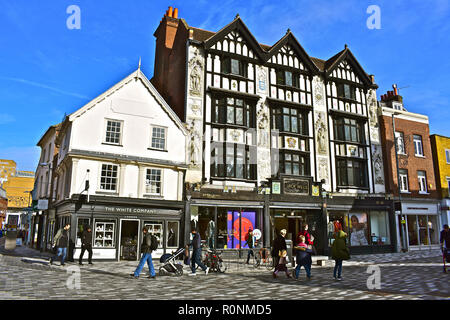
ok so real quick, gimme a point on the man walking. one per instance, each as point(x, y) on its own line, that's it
point(251, 240)
point(146, 250)
point(197, 253)
point(86, 244)
point(61, 242)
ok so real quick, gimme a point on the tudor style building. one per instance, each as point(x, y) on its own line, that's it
point(277, 138)
point(121, 166)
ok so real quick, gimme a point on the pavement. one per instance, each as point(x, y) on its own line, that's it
point(26, 274)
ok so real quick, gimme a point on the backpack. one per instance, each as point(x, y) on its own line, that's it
point(154, 244)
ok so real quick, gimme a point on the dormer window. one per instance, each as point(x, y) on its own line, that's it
point(346, 91)
point(234, 67)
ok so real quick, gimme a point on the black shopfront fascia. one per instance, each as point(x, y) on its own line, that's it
point(117, 209)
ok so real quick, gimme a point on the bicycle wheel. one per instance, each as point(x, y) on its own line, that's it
point(269, 262)
point(257, 260)
point(221, 266)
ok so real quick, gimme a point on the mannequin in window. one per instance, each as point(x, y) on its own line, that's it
point(210, 234)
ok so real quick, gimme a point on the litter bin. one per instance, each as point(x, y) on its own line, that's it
point(11, 236)
point(289, 252)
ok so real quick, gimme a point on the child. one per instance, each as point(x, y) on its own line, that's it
point(282, 265)
point(303, 257)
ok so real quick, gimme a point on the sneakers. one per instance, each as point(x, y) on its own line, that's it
point(132, 275)
point(91, 263)
point(339, 279)
point(192, 274)
point(207, 270)
point(151, 277)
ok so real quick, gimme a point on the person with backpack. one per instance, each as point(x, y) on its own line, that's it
point(149, 244)
point(339, 252)
point(86, 244)
point(61, 243)
point(250, 240)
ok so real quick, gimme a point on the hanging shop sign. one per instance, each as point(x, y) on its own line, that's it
point(276, 187)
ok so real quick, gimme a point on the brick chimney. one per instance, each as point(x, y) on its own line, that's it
point(170, 60)
point(392, 95)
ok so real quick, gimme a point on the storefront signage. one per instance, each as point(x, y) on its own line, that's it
point(42, 204)
point(129, 210)
point(257, 234)
point(315, 191)
point(296, 186)
point(276, 187)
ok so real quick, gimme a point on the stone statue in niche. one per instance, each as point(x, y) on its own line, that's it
point(373, 112)
point(378, 165)
point(318, 91)
point(323, 169)
point(195, 78)
point(321, 132)
point(262, 80)
point(263, 125)
point(194, 144)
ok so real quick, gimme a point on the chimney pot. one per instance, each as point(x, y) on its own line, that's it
point(170, 14)
point(395, 89)
point(175, 13)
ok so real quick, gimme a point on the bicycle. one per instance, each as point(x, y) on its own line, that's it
point(214, 261)
point(264, 258)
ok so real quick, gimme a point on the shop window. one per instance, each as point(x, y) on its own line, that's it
point(423, 230)
point(359, 233)
point(172, 234)
point(104, 234)
point(238, 224)
point(81, 226)
point(433, 229)
point(337, 221)
point(206, 226)
point(156, 228)
point(379, 228)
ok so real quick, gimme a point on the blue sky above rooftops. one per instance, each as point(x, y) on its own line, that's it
point(47, 70)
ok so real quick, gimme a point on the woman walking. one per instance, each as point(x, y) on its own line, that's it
point(279, 254)
point(339, 252)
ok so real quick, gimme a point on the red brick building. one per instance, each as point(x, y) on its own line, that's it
point(413, 185)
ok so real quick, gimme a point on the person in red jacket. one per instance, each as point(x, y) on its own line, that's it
point(306, 234)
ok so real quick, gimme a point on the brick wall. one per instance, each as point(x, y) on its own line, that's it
point(409, 161)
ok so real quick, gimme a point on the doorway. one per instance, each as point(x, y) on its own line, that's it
point(129, 236)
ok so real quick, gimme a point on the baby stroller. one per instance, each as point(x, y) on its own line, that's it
point(170, 267)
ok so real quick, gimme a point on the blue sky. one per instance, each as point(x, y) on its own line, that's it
point(47, 70)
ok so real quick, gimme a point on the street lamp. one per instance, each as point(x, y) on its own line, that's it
point(402, 228)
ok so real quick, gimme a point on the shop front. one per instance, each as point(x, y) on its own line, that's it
point(224, 224)
point(117, 226)
point(368, 223)
point(422, 225)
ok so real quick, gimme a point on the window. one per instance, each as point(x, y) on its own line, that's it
point(113, 131)
point(447, 156)
point(346, 91)
point(379, 227)
point(294, 164)
point(418, 147)
point(400, 142)
point(349, 130)
point(233, 161)
point(448, 186)
point(104, 234)
point(234, 66)
point(287, 78)
point(233, 111)
point(172, 234)
point(108, 178)
point(422, 181)
point(403, 180)
point(153, 181)
point(159, 138)
point(290, 120)
point(351, 173)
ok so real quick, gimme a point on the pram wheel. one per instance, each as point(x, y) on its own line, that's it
point(179, 270)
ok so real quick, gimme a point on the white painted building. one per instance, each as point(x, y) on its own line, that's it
point(121, 165)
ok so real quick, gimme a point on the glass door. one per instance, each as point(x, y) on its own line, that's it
point(413, 234)
point(423, 230)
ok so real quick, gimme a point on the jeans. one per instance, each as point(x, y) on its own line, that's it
point(338, 268)
point(60, 252)
point(307, 268)
point(89, 250)
point(250, 253)
point(146, 257)
point(196, 259)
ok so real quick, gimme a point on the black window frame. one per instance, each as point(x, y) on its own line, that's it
point(220, 107)
point(306, 172)
point(342, 173)
point(281, 78)
point(221, 168)
point(226, 67)
point(342, 92)
point(301, 116)
point(340, 133)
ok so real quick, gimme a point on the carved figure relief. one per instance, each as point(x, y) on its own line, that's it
point(323, 169)
point(373, 112)
point(262, 87)
point(195, 140)
point(321, 132)
point(263, 126)
point(195, 78)
point(318, 91)
point(378, 165)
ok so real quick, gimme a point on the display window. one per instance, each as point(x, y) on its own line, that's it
point(336, 221)
point(172, 234)
point(422, 230)
point(156, 228)
point(104, 234)
point(379, 228)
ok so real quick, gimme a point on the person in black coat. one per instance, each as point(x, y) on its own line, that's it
point(86, 244)
point(279, 244)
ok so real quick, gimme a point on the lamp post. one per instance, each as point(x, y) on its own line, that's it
point(402, 228)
